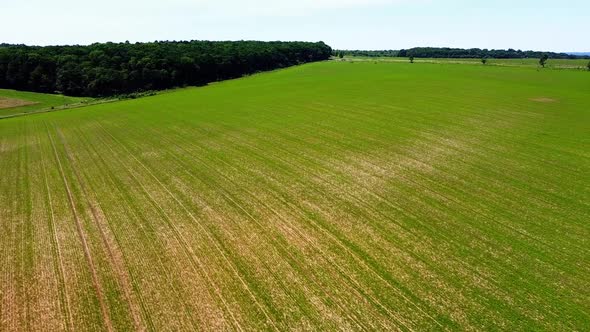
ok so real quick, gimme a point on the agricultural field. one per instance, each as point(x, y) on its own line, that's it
point(581, 64)
point(14, 102)
point(328, 196)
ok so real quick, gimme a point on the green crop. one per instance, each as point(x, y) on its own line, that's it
point(329, 196)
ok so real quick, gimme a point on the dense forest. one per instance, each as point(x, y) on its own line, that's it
point(107, 69)
point(444, 52)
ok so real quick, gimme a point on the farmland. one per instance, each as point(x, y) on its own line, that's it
point(22, 102)
point(328, 196)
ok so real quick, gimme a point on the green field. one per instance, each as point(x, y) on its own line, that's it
point(329, 196)
point(37, 102)
point(581, 64)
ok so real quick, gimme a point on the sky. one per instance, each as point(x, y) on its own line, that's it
point(343, 24)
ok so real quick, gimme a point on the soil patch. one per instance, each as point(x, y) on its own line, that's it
point(543, 100)
point(10, 102)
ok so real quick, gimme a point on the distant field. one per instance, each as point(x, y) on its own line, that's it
point(17, 102)
point(551, 63)
point(329, 196)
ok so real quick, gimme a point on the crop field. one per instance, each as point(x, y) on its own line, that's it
point(329, 196)
point(14, 102)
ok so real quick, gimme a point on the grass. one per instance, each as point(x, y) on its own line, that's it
point(40, 102)
point(327, 196)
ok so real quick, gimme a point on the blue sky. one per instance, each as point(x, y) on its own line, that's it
point(351, 24)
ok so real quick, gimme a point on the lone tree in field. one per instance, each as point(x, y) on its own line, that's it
point(411, 59)
point(341, 54)
point(588, 65)
point(543, 60)
point(484, 60)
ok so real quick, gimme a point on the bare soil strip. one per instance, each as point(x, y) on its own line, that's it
point(544, 100)
point(12, 102)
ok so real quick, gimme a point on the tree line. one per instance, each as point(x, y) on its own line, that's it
point(445, 52)
point(369, 54)
point(106, 69)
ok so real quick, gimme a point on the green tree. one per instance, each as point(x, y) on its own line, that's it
point(543, 60)
point(588, 65)
point(484, 60)
point(411, 59)
point(341, 54)
point(40, 79)
point(70, 79)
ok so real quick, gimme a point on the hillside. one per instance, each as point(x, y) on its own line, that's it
point(328, 196)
